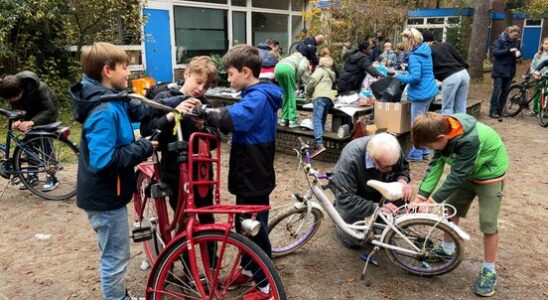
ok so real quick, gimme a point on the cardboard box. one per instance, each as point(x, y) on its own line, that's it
point(394, 116)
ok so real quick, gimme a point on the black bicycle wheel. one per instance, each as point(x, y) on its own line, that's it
point(514, 100)
point(543, 111)
point(170, 278)
point(47, 166)
point(292, 229)
point(426, 235)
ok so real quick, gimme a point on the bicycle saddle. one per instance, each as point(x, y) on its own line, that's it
point(51, 127)
point(389, 190)
point(13, 114)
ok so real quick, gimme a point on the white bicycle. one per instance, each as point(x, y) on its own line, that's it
point(412, 239)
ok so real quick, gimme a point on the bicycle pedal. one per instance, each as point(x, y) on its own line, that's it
point(141, 234)
point(372, 260)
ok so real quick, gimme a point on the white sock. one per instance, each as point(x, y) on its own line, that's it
point(448, 247)
point(265, 290)
point(247, 273)
point(489, 266)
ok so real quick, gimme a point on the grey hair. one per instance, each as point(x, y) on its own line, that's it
point(384, 146)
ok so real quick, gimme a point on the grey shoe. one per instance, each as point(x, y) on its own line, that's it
point(51, 184)
point(32, 179)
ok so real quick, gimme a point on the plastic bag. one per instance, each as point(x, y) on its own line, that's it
point(387, 89)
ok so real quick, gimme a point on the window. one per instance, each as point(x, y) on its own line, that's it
point(211, 1)
point(415, 21)
point(297, 5)
point(436, 32)
point(199, 31)
point(297, 27)
point(239, 2)
point(435, 21)
point(453, 20)
point(536, 22)
point(269, 26)
point(279, 4)
point(238, 28)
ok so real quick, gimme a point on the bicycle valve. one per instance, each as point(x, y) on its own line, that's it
point(251, 227)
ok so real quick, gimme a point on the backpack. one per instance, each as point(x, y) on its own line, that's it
point(157, 89)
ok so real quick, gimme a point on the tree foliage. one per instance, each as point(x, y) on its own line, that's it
point(532, 8)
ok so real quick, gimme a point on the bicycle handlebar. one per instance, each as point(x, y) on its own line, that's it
point(126, 95)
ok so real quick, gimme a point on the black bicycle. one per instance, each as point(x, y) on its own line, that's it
point(44, 160)
point(520, 95)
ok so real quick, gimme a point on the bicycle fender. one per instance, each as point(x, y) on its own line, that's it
point(433, 217)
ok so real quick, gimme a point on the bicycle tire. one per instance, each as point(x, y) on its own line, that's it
point(168, 279)
point(424, 268)
point(309, 232)
point(149, 217)
point(515, 98)
point(34, 161)
point(543, 111)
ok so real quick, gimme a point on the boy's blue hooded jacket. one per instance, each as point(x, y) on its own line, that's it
point(108, 150)
point(422, 85)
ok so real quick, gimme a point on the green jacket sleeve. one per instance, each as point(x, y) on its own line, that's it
point(432, 176)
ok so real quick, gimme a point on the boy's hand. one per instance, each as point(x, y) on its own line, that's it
point(536, 74)
point(187, 105)
point(154, 144)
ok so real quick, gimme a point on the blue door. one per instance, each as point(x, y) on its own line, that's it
point(158, 45)
point(530, 42)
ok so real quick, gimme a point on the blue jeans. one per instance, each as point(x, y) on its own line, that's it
point(455, 93)
point(418, 108)
point(322, 105)
point(498, 98)
point(113, 240)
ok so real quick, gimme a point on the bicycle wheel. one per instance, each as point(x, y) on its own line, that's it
point(292, 229)
point(47, 166)
point(170, 278)
point(543, 111)
point(514, 100)
point(147, 216)
point(427, 235)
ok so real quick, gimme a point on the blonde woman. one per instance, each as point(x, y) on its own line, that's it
point(421, 83)
point(505, 53)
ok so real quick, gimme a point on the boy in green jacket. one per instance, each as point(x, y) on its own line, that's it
point(479, 162)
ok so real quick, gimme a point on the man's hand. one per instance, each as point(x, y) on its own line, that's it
point(390, 208)
point(407, 191)
point(23, 126)
point(15, 125)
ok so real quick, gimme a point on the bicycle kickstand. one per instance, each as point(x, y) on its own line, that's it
point(5, 188)
point(376, 249)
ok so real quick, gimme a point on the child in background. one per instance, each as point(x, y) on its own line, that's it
point(320, 89)
point(401, 60)
point(251, 175)
point(289, 72)
point(388, 57)
point(541, 56)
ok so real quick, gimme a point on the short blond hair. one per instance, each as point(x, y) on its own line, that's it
point(513, 28)
point(411, 38)
point(387, 44)
point(326, 61)
point(203, 65)
point(100, 54)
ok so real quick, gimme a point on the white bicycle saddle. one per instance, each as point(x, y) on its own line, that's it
point(389, 190)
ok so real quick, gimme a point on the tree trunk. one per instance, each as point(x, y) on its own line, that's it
point(478, 38)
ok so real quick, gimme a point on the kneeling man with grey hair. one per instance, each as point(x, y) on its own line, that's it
point(376, 157)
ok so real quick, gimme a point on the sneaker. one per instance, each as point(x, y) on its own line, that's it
point(319, 150)
point(293, 124)
point(532, 113)
point(439, 254)
point(32, 179)
point(129, 296)
point(283, 123)
point(51, 184)
point(239, 279)
point(486, 282)
point(256, 294)
point(494, 116)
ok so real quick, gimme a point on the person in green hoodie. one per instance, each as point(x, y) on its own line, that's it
point(320, 89)
point(479, 162)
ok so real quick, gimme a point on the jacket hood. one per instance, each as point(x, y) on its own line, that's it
point(356, 56)
point(272, 92)
point(423, 50)
point(468, 122)
point(329, 72)
point(30, 81)
point(84, 97)
point(264, 47)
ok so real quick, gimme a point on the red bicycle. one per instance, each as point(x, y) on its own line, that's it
point(192, 260)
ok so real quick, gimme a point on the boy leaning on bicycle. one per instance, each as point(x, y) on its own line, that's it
point(479, 162)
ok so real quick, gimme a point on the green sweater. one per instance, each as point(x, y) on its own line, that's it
point(477, 154)
point(300, 64)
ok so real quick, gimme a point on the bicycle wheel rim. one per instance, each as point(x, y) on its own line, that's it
point(426, 235)
point(171, 277)
point(516, 97)
point(148, 218)
point(292, 229)
point(47, 159)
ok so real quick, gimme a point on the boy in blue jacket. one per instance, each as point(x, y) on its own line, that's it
point(108, 155)
point(251, 175)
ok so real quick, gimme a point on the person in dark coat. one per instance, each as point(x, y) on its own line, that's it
point(355, 68)
point(308, 48)
point(505, 53)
